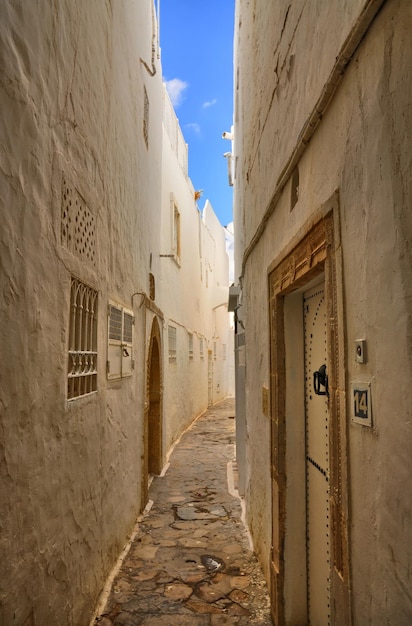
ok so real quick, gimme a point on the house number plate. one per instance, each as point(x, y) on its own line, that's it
point(361, 403)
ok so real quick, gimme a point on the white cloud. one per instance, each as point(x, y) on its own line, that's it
point(175, 88)
point(194, 127)
point(210, 103)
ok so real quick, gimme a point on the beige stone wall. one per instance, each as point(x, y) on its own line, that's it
point(361, 148)
point(72, 110)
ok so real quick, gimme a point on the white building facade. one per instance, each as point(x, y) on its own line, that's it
point(194, 275)
point(84, 385)
point(322, 149)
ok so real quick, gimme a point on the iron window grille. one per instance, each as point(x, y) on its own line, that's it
point(82, 354)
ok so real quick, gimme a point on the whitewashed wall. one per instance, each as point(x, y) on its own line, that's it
point(220, 324)
point(81, 100)
point(190, 286)
point(284, 55)
point(72, 107)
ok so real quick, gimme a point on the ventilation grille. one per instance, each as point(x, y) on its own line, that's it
point(78, 224)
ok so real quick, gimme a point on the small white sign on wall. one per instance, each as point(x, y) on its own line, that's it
point(361, 402)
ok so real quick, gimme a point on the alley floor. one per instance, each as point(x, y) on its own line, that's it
point(190, 562)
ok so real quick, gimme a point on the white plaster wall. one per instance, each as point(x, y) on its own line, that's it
point(362, 148)
point(71, 92)
point(190, 288)
point(217, 297)
point(272, 49)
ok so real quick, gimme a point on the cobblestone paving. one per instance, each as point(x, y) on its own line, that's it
point(190, 563)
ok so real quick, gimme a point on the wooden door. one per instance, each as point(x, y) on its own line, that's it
point(317, 458)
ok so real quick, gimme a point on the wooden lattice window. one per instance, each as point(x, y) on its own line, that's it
point(82, 354)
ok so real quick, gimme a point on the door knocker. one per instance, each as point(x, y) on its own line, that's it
point(320, 379)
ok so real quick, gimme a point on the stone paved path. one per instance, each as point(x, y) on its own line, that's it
point(190, 563)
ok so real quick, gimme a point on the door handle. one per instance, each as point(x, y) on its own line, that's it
point(320, 379)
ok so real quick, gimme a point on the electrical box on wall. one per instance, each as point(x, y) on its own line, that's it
point(360, 351)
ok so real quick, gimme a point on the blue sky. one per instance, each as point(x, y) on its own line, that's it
point(196, 39)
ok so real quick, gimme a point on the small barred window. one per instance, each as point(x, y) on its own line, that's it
point(82, 356)
point(176, 232)
point(171, 335)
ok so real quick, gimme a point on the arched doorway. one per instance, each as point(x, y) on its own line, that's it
point(153, 460)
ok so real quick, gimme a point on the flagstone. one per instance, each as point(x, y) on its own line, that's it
point(190, 564)
point(178, 591)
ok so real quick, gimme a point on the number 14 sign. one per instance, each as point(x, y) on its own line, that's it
point(361, 403)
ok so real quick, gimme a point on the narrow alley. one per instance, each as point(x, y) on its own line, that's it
point(251, 349)
point(190, 562)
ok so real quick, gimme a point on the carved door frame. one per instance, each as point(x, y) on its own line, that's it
point(317, 250)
